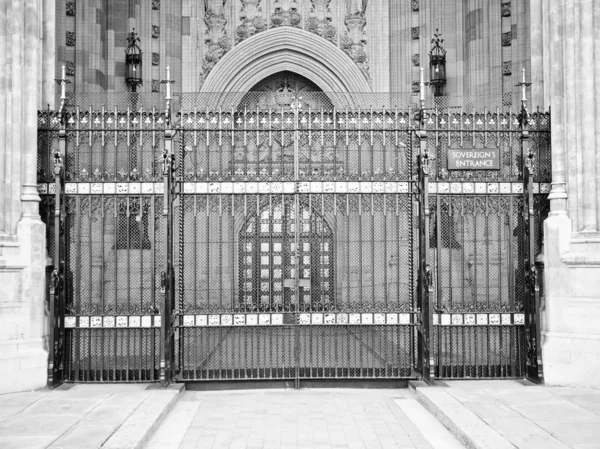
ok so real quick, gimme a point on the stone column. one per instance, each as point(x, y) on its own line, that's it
point(23, 327)
point(570, 35)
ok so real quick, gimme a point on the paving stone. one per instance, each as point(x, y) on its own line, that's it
point(537, 441)
point(549, 410)
point(590, 402)
point(469, 395)
point(519, 426)
point(84, 435)
point(26, 442)
point(21, 399)
point(491, 410)
point(29, 424)
point(59, 405)
point(302, 419)
point(573, 432)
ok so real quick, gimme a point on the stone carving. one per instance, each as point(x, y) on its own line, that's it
point(70, 68)
point(252, 20)
point(216, 39)
point(416, 87)
point(505, 9)
point(70, 40)
point(319, 20)
point(156, 5)
point(286, 14)
point(354, 41)
point(356, 8)
point(415, 5)
point(506, 39)
point(70, 9)
point(155, 85)
point(507, 67)
point(416, 59)
point(155, 31)
point(155, 58)
point(414, 32)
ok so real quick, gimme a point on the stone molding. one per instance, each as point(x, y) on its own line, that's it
point(281, 49)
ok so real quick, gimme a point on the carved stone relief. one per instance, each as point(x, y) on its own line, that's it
point(70, 68)
point(354, 41)
point(70, 9)
point(252, 20)
point(286, 14)
point(319, 20)
point(70, 39)
point(507, 68)
point(416, 60)
point(155, 58)
point(506, 39)
point(216, 38)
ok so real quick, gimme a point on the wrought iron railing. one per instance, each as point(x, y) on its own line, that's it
point(254, 185)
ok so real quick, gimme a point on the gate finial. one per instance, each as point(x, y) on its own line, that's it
point(524, 114)
point(168, 82)
point(63, 81)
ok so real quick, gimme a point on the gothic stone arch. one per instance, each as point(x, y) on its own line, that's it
point(291, 49)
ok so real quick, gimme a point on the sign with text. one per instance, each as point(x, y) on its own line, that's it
point(474, 159)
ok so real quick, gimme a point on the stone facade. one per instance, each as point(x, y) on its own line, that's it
point(566, 71)
point(23, 318)
point(381, 37)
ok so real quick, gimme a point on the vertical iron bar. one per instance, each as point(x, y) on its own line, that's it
point(532, 294)
point(296, 245)
point(425, 272)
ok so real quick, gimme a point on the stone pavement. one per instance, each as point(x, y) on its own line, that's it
point(83, 416)
point(509, 414)
point(321, 418)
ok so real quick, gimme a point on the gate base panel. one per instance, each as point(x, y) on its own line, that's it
point(289, 384)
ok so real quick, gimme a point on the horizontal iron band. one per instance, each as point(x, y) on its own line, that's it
point(282, 319)
point(150, 188)
point(112, 321)
point(478, 319)
point(242, 319)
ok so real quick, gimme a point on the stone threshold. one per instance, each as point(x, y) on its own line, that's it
point(139, 427)
point(465, 425)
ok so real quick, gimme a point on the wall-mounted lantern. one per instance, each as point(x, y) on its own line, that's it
point(133, 62)
point(437, 65)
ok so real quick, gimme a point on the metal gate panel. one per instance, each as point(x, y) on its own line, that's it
point(350, 310)
point(357, 297)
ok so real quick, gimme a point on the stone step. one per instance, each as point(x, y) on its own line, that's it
point(139, 427)
point(466, 426)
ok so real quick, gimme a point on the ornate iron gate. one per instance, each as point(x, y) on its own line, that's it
point(291, 243)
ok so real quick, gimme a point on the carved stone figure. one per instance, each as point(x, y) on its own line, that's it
point(319, 20)
point(252, 20)
point(286, 14)
point(216, 39)
point(354, 41)
point(214, 7)
point(356, 7)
